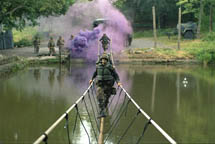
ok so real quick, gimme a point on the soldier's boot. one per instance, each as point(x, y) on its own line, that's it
point(101, 109)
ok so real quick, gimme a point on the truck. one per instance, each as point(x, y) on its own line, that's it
point(188, 30)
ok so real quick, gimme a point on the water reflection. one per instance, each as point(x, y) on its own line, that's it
point(61, 75)
point(51, 77)
point(186, 113)
point(153, 91)
point(37, 74)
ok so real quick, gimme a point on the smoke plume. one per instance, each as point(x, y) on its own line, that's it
point(78, 21)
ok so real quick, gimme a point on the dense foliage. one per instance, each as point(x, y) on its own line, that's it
point(17, 13)
point(139, 12)
point(23, 43)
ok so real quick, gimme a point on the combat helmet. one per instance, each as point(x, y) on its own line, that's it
point(105, 56)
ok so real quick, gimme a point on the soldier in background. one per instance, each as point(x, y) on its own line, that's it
point(60, 44)
point(36, 43)
point(105, 41)
point(70, 44)
point(129, 39)
point(51, 46)
point(71, 37)
point(106, 77)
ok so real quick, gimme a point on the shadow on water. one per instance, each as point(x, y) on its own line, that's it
point(180, 99)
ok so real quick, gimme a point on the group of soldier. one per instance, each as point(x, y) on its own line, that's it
point(106, 76)
point(51, 45)
point(105, 73)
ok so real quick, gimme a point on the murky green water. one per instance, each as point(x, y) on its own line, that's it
point(179, 99)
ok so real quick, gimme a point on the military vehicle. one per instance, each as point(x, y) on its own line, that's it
point(188, 30)
point(97, 22)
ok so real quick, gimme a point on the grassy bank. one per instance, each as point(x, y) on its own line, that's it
point(10, 65)
point(199, 49)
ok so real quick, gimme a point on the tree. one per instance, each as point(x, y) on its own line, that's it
point(16, 13)
point(197, 8)
point(139, 11)
point(210, 4)
point(200, 19)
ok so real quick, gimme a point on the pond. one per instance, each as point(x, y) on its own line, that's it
point(180, 99)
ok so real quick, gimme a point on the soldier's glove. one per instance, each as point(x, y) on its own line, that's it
point(90, 81)
point(119, 84)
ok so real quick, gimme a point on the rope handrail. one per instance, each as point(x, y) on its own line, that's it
point(147, 116)
point(46, 133)
point(61, 118)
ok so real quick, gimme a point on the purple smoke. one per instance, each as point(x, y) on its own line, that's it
point(80, 17)
point(85, 44)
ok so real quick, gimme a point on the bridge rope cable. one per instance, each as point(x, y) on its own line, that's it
point(67, 127)
point(76, 118)
point(114, 124)
point(124, 99)
point(144, 113)
point(120, 110)
point(90, 119)
point(126, 109)
point(113, 97)
point(117, 102)
point(45, 140)
point(97, 125)
point(131, 123)
point(82, 123)
point(151, 121)
point(44, 136)
point(144, 130)
point(96, 105)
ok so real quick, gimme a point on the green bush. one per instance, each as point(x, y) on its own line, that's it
point(23, 43)
point(207, 55)
point(209, 37)
point(203, 52)
point(27, 33)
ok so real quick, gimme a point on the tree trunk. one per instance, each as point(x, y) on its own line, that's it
point(211, 18)
point(179, 28)
point(154, 27)
point(200, 19)
point(159, 19)
point(1, 27)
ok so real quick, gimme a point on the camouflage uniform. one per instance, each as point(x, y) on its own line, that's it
point(36, 43)
point(105, 41)
point(51, 45)
point(60, 44)
point(106, 77)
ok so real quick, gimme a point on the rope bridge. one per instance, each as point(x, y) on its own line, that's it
point(88, 99)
